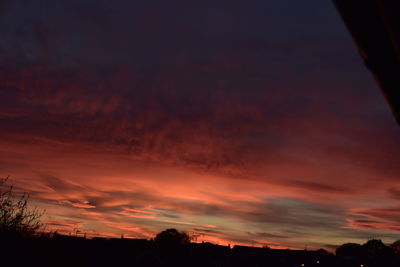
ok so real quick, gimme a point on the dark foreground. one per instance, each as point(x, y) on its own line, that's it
point(74, 251)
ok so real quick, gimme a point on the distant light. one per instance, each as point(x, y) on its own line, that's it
point(317, 262)
point(302, 264)
point(361, 265)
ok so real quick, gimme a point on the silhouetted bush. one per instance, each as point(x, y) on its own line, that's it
point(16, 219)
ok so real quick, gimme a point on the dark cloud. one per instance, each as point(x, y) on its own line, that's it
point(74, 32)
point(64, 223)
point(62, 186)
point(395, 192)
point(382, 213)
point(320, 187)
point(267, 235)
point(207, 97)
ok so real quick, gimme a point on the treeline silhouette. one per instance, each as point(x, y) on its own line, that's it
point(24, 243)
point(63, 250)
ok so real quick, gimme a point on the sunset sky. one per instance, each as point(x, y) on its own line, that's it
point(240, 122)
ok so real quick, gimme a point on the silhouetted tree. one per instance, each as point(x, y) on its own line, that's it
point(15, 217)
point(396, 247)
point(350, 251)
point(172, 237)
point(323, 252)
point(265, 246)
point(374, 246)
point(377, 252)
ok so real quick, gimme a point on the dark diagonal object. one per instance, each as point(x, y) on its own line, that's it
point(375, 27)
